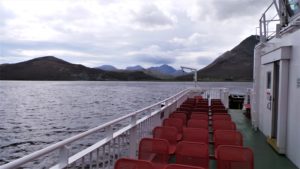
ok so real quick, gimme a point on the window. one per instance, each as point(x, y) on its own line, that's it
point(269, 80)
point(293, 7)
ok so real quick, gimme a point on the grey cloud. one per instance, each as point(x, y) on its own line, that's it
point(232, 8)
point(153, 59)
point(151, 16)
point(4, 15)
point(204, 60)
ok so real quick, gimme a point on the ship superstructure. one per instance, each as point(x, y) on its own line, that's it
point(275, 105)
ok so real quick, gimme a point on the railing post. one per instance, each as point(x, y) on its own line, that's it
point(63, 156)
point(226, 98)
point(109, 132)
point(133, 138)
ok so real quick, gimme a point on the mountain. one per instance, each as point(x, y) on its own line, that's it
point(233, 65)
point(107, 68)
point(52, 68)
point(165, 72)
point(164, 69)
point(135, 68)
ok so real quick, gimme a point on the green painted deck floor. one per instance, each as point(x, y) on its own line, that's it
point(264, 156)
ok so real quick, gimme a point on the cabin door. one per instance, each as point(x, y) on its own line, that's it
point(275, 100)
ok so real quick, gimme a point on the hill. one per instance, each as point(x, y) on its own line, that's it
point(233, 65)
point(135, 68)
point(107, 68)
point(52, 68)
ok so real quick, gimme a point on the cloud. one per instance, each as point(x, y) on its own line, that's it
point(204, 60)
point(224, 10)
point(153, 59)
point(152, 54)
point(125, 32)
point(4, 15)
point(149, 17)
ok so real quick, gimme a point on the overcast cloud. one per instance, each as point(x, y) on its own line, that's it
point(125, 32)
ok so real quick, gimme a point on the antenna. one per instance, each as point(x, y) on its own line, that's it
point(193, 70)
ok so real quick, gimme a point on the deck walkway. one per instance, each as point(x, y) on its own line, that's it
point(264, 156)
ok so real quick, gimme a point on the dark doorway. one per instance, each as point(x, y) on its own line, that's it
point(275, 99)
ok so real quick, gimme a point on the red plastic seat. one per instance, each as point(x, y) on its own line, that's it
point(199, 116)
point(178, 166)
point(189, 105)
point(195, 135)
point(221, 117)
point(194, 123)
point(126, 163)
point(154, 150)
point(186, 109)
point(168, 133)
point(223, 125)
point(175, 122)
point(227, 137)
point(219, 111)
point(200, 109)
point(182, 116)
point(185, 112)
point(192, 153)
point(234, 157)
point(198, 97)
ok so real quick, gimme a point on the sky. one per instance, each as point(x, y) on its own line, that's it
point(126, 32)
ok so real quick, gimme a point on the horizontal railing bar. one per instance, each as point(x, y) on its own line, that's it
point(267, 9)
point(51, 148)
point(88, 150)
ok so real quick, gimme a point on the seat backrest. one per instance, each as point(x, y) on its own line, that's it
point(178, 166)
point(126, 163)
point(227, 137)
point(223, 125)
point(195, 135)
point(217, 111)
point(217, 106)
point(199, 116)
point(187, 109)
point(192, 153)
point(200, 109)
point(221, 117)
point(189, 105)
point(154, 150)
point(234, 157)
point(174, 122)
point(182, 116)
point(194, 123)
point(166, 132)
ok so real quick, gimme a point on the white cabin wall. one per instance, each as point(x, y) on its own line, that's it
point(293, 118)
point(293, 114)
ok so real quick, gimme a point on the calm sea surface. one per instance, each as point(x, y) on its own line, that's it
point(35, 114)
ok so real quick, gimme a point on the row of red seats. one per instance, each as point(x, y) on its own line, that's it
point(126, 163)
point(186, 135)
point(228, 144)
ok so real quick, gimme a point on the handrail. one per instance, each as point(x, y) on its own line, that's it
point(56, 146)
point(264, 22)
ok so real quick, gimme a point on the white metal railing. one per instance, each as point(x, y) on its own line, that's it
point(115, 143)
point(269, 21)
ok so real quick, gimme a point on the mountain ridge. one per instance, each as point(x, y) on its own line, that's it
point(52, 68)
point(233, 65)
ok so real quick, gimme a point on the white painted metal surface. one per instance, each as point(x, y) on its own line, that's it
point(285, 50)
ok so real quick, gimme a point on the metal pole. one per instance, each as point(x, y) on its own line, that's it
point(193, 70)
